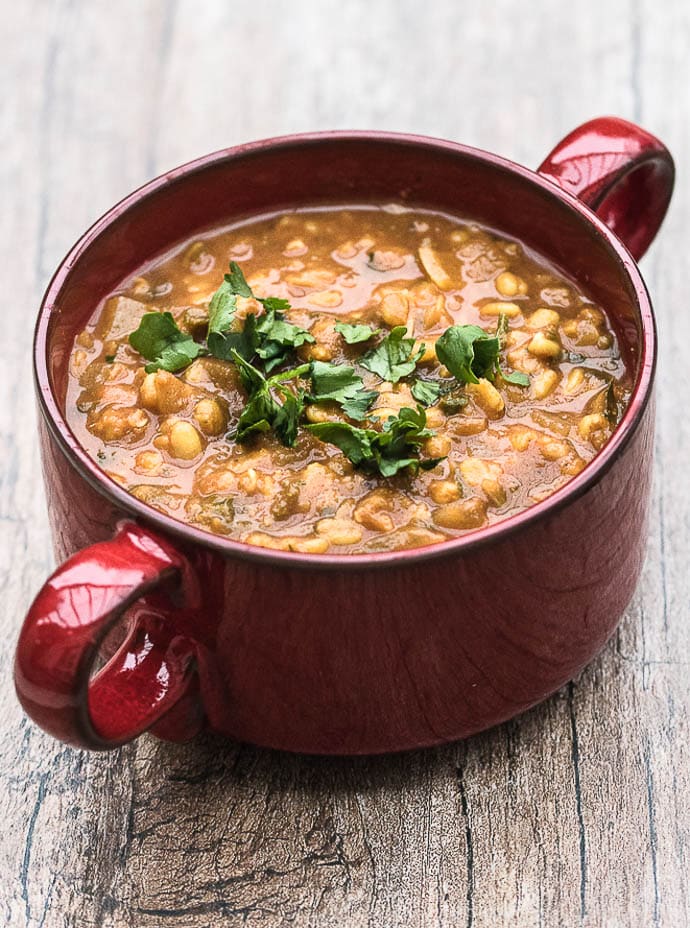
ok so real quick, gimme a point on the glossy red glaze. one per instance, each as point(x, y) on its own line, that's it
point(619, 170)
point(320, 653)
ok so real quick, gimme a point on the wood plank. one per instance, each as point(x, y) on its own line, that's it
point(572, 814)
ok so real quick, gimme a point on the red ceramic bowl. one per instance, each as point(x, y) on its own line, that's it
point(344, 654)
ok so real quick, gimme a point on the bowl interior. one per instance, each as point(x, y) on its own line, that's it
point(342, 168)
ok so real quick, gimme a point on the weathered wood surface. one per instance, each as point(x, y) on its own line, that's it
point(574, 814)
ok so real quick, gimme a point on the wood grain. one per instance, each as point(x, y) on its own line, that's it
point(574, 814)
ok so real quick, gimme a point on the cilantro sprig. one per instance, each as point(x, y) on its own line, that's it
point(163, 344)
point(269, 337)
point(470, 353)
point(394, 357)
point(339, 383)
point(355, 334)
point(264, 411)
point(396, 447)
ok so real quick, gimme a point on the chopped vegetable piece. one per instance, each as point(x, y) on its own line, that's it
point(433, 267)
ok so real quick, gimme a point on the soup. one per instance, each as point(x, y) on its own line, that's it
point(346, 380)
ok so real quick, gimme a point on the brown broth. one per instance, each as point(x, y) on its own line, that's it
point(506, 449)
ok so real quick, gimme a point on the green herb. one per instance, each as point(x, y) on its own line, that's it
point(339, 383)
point(163, 344)
point(263, 412)
point(276, 338)
point(395, 357)
point(109, 358)
point(354, 334)
point(238, 282)
point(221, 309)
point(515, 377)
point(470, 353)
point(268, 336)
point(394, 448)
point(427, 392)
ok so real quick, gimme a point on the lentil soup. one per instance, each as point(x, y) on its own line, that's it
point(346, 380)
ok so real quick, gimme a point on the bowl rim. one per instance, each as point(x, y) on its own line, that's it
point(89, 470)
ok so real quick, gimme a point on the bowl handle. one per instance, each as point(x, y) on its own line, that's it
point(152, 671)
point(620, 171)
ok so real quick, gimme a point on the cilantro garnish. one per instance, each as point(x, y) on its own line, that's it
point(470, 353)
point(163, 343)
point(354, 334)
point(396, 447)
point(238, 282)
point(276, 338)
point(267, 341)
point(339, 383)
point(263, 411)
point(394, 357)
point(269, 336)
point(515, 377)
point(427, 392)
point(221, 311)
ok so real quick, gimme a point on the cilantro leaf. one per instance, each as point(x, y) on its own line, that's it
point(274, 302)
point(258, 415)
point(394, 448)
point(339, 383)
point(268, 336)
point(515, 377)
point(263, 412)
point(468, 352)
point(221, 313)
point(403, 434)
point(276, 338)
point(237, 281)
point(354, 334)
point(287, 419)
point(426, 392)
point(160, 340)
point(394, 358)
point(221, 310)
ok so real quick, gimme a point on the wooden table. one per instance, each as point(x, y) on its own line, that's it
point(574, 814)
